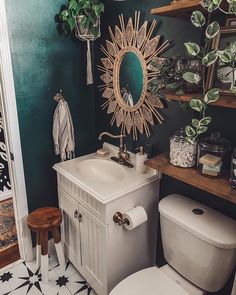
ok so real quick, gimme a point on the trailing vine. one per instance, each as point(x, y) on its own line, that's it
point(208, 57)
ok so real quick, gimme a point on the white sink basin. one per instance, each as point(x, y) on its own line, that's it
point(103, 178)
point(99, 170)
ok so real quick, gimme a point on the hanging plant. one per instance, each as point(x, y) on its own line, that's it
point(82, 17)
point(86, 12)
point(208, 57)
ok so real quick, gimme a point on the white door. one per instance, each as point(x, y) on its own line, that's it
point(70, 228)
point(93, 250)
point(13, 138)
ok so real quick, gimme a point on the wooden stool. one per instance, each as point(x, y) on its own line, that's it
point(42, 221)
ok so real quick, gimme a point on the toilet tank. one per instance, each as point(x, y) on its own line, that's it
point(198, 242)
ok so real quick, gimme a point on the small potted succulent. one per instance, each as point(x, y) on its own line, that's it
point(83, 16)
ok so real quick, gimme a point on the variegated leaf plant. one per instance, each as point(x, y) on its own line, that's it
point(208, 57)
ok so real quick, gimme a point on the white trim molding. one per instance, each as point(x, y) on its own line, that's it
point(13, 136)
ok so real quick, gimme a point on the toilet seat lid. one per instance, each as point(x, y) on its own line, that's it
point(151, 281)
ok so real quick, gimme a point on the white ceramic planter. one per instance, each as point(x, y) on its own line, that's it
point(85, 33)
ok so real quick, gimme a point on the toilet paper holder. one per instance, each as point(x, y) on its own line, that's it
point(119, 219)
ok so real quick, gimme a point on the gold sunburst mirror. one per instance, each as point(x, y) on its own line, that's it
point(126, 73)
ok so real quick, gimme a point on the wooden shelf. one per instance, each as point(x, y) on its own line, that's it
point(179, 9)
point(219, 187)
point(182, 9)
point(226, 101)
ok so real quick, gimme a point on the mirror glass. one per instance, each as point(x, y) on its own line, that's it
point(131, 78)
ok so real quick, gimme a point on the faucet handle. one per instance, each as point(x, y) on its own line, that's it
point(125, 154)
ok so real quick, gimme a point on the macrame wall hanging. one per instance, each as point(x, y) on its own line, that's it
point(84, 34)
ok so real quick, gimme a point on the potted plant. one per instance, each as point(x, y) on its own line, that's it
point(83, 18)
point(83, 15)
point(208, 57)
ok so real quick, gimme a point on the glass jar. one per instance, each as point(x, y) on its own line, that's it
point(182, 153)
point(213, 155)
point(233, 170)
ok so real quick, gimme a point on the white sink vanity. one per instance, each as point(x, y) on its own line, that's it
point(91, 191)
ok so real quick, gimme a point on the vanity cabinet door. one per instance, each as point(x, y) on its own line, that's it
point(94, 251)
point(70, 227)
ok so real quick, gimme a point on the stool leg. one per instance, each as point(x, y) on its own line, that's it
point(57, 241)
point(44, 256)
point(38, 249)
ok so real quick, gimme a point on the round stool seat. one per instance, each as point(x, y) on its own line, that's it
point(42, 221)
point(44, 218)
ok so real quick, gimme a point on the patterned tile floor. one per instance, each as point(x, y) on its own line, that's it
point(25, 279)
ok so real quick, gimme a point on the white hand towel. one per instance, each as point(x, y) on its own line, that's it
point(63, 131)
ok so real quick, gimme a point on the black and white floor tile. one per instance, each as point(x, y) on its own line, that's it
point(25, 279)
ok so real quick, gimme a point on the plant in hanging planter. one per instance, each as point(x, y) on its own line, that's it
point(82, 13)
point(208, 57)
point(83, 18)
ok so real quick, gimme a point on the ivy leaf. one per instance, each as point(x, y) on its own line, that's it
point(217, 2)
point(201, 130)
point(232, 7)
point(98, 8)
point(192, 48)
point(210, 5)
point(173, 86)
point(71, 23)
point(205, 121)
point(212, 95)
point(198, 19)
point(195, 122)
point(191, 77)
point(225, 56)
point(190, 140)
point(73, 4)
point(196, 104)
point(190, 132)
point(64, 15)
point(210, 58)
point(212, 30)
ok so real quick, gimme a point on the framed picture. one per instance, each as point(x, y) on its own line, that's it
point(223, 75)
point(230, 22)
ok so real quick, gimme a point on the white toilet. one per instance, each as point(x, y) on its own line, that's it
point(200, 248)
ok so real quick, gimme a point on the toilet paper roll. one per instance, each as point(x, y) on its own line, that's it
point(136, 217)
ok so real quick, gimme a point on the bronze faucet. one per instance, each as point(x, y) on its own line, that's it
point(123, 155)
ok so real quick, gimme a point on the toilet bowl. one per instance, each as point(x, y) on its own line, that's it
point(153, 281)
point(199, 247)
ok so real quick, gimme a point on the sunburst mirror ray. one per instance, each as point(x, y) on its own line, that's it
point(126, 71)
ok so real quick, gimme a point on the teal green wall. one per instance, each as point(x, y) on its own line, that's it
point(43, 63)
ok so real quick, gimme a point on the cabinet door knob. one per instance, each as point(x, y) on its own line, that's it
point(80, 216)
point(76, 214)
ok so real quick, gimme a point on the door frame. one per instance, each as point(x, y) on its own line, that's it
point(13, 137)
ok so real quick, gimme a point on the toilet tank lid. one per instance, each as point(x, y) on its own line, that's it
point(200, 220)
